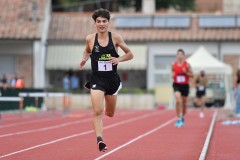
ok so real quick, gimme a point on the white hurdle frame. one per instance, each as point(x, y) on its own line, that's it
point(37, 95)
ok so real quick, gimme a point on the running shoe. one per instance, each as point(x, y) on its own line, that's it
point(102, 146)
point(178, 123)
point(201, 114)
point(182, 122)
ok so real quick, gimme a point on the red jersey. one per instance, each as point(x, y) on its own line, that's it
point(179, 76)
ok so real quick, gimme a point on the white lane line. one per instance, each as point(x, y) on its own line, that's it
point(207, 140)
point(51, 127)
point(81, 134)
point(137, 138)
point(24, 123)
point(46, 128)
point(50, 119)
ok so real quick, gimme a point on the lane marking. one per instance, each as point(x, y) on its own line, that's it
point(208, 138)
point(82, 133)
point(50, 119)
point(34, 121)
point(46, 128)
point(52, 127)
point(137, 138)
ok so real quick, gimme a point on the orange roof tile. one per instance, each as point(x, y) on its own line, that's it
point(17, 19)
point(75, 26)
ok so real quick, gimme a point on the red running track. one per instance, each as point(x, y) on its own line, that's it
point(131, 135)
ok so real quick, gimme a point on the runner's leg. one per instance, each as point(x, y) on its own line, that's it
point(184, 105)
point(177, 95)
point(97, 98)
point(110, 106)
point(178, 108)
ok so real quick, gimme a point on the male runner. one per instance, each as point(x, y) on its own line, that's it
point(181, 71)
point(102, 47)
point(201, 84)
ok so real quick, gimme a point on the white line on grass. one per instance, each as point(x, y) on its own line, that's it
point(81, 134)
point(207, 140)
point(137, 138)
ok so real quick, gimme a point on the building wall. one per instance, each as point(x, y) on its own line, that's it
point(131, 79)
point(62, 56)
point(229, 52)
point(217, 5)
point(231, 5)
point(209, 5)
point(24, 68)
point(234, 61)
point(21, 54)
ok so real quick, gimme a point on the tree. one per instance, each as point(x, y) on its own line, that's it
point(90, 5)
point(113, 5)
point(181, 5)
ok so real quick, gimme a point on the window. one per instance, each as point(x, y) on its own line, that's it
point(238, 21)
point(162, 71)
point(171, 21)
point(148, 21)
point(133, 21)
point(163, 62)
point(207, 21)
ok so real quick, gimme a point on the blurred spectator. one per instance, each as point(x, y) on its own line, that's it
point(4, 83)
point(20, 83)
point(74, 81)
point(237, 93)
point(66, 82)
point(13, 80)
point(238, 78)
point(201, 85)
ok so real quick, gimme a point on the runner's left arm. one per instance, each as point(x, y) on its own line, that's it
point(120, 43)
point(189, 71)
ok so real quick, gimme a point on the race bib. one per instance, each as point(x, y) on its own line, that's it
point(180, 79)
point(201, 88)
point(104, 66)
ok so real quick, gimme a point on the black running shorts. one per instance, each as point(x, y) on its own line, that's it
point(182, 88)
point(199, 94)
point(110, 85)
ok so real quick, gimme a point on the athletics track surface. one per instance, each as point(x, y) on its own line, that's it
point(130, 135)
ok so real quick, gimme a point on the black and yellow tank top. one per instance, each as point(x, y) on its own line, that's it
point(100, 58)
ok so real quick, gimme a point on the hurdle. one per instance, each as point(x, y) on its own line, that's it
point(37, 95)
point(13, 99)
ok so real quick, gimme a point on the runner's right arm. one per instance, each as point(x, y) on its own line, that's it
point(173, 73)
point(86, 52)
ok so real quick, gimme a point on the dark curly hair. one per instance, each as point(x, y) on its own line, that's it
point(101, 13)
point(181, 50)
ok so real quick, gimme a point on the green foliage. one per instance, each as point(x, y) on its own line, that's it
point(181, 5)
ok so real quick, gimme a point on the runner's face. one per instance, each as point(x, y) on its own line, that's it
point(102, 24)
point(180, 56)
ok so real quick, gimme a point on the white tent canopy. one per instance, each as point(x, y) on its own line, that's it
point(202, 59)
